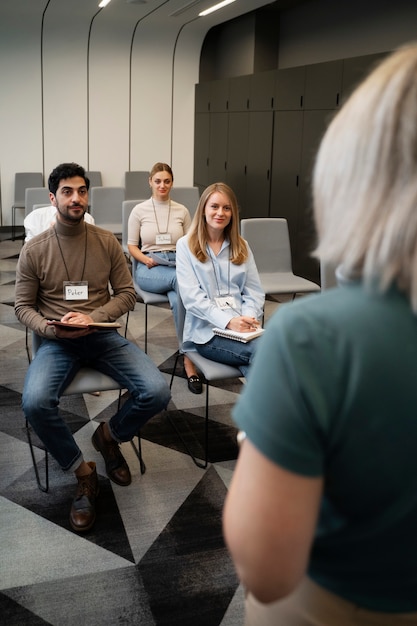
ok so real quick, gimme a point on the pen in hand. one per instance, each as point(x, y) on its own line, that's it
point(253, 326)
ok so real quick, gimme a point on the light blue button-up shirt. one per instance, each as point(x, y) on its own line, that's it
point(200, 283)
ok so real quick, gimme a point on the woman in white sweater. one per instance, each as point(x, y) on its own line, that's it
point(154, 228)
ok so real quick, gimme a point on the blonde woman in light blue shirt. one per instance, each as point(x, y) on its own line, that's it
point(218, 280)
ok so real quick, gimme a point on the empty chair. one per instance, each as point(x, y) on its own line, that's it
point(22, 180)
point(212, 372)
point(137, 185)
point(188, 196)
point(127, 207)
point(38, 196)
point(95, 178)
point(269, 241)
point(106, 207)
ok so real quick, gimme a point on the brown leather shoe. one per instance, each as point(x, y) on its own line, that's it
point(83, 511)
point(116, 466)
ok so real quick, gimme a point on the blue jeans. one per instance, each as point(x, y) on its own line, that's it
point(55, 364)
point(229, 351)
point(160, 279)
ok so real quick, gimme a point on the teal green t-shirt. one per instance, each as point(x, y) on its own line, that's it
point(333, 392)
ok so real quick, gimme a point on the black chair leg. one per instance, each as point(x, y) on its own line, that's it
point(174, 426)
point(146, 328)
point(42, 486)
point(138, 452)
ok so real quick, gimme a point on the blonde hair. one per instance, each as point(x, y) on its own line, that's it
point(198, 235)
point(365, 179)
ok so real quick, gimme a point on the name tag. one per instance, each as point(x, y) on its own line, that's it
point(163, 239)
point(76, 290)
point(225, 302)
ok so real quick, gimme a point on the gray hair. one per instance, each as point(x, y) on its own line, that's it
point(365, 179)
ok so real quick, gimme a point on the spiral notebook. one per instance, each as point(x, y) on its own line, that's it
point(243, 337)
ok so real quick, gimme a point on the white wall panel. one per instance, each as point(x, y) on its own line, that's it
point(20, 96)
point(65, 43)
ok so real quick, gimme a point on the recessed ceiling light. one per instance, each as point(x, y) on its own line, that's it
point(216, 7)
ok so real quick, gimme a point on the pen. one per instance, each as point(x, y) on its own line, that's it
point(240, 314)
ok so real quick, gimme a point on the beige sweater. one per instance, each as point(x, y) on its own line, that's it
point(44, 265)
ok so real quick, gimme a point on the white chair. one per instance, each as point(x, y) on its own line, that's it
point(188, 196)
point(106, 207)
point(38, 196)
point(127, 207)
point(269, 241)
point(212, 372)
point(137, 185)
point(86, 380)
point(148, 298)
point(22, 180)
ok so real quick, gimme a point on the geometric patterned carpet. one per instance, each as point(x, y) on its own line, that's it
point(156, 554)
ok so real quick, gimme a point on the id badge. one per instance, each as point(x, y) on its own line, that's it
point(163, 239)
point(75, 290)
point(225, 302)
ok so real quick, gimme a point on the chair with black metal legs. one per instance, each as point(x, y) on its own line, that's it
point(148, 298)
point(212, 371)
point(85, 381)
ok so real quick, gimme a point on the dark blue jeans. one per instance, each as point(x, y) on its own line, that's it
point(55, 364)
point(229, 351)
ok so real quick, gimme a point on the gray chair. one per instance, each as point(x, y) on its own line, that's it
point(36, 196)
point(86, 380)
point(269, 241)
point(127, 207)
point(95, 178)
point(188, 196)
point(148, 298)
point(212, 371)
point(106, 207)
point(22, 180)
point(137, 185)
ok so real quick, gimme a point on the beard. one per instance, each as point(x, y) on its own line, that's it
point(71, 218)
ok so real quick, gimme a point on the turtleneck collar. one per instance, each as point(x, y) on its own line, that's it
point(70, 231)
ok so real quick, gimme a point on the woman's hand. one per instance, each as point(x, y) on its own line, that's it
point(149, 262)
point(243, 324)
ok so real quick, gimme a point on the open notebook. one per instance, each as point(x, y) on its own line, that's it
point(243, 337)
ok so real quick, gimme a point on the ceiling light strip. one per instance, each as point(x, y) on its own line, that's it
point(216, 7)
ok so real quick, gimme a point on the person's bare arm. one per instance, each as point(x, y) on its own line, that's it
point(269, 521)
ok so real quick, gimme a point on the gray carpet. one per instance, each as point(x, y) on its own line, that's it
point(156, 555)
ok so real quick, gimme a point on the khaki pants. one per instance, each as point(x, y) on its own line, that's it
point(311, 605)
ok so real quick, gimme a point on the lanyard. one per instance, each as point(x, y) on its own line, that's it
point(218, 280)
point(62, 255)
point(156, 217)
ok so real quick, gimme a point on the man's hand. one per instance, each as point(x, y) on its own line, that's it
point(74, 318)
